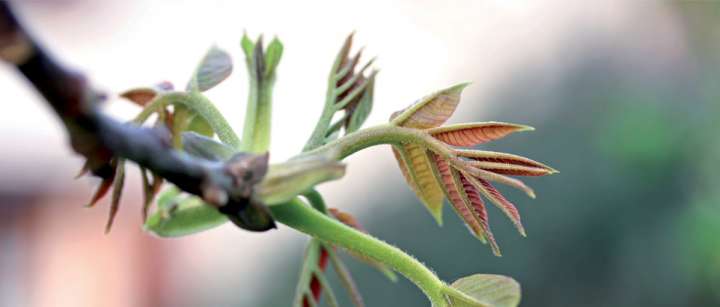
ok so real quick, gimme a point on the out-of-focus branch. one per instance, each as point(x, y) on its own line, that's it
point(227, 185)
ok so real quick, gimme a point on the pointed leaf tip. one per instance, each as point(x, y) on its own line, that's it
point(430, 111)
point(473, 134)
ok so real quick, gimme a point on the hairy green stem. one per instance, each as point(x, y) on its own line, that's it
point(377, 135)
point(301, 217)
point(200, 105)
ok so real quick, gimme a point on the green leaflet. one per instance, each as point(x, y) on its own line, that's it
point(205, 147)
point(286, 180)
point(179, 217)
point(283, 182)
point(484, 290)
point(215, 67)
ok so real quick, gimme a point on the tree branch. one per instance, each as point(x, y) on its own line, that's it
point(227, 185)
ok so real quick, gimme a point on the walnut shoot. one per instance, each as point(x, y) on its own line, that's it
point(225, 180)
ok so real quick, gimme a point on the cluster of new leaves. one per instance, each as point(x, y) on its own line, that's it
point(349, 97)
point(461, 175)
point(435, 165)
point(349, 101)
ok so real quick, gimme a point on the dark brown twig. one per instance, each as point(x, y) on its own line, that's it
point(227, 185)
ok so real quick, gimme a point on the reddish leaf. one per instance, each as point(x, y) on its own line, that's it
point(455, 192)
point(430, 111)
point(511, 169)
point(489, 191)
point(501, 157)
point(487, 175)
point(480, 212)
point(475, 133)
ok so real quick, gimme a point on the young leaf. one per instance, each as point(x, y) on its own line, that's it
point(491, 193)
point(430, 111)
point(349, 90)
point(188, 216)
point(501, 157)
point(272, 57)
point(484, 290)
point(476, 133)
point(470, 209)
point(416, 167)
point(479, 211)
point(511, 169)
point(360, 111)
point(261, 66)
point(215, 67)
point(287, 180)
point(205, 147)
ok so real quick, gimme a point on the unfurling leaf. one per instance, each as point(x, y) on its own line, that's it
point(476, 133)
point(261, 66)
point(466, 201)
point(349, 97)
point(205, 147)
point(430, 111)
point(286, 180)
point(491, 193)
point(215, 67)
point(351, 89)
point(416, 167)
point(272, 56)
point(360, 110)
point(484, 290)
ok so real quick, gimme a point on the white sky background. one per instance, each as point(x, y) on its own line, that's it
point(421, 46)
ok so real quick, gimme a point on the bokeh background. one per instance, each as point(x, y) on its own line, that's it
point(625, 97)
